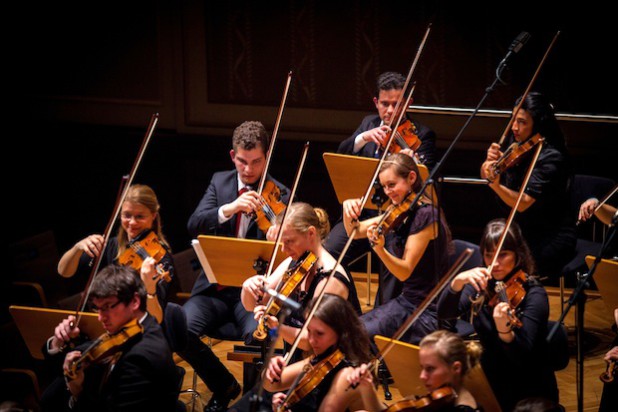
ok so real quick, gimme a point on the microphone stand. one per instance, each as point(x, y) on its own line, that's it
point(578, 297)
point(430, 179)
point(256, 400)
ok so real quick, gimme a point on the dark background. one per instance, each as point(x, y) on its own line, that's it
point(84, 79)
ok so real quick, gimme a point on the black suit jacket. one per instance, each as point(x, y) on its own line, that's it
point(145, 377)
point(223, 189)
point(427, 150)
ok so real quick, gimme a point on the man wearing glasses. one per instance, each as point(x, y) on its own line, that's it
point(139, 373)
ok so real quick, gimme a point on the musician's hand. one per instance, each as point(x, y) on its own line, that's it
point(254, 286)
point(586, 210)
point(74, 385)
point(278, 399)
point(378, 135)
point(148, 273)
point(92, 245)
point(476, 277)
point(258, 312)
point(271, 234)
point(352, 209)
point(360, 375)
point(375, 239)
point(612, 354)
point(501, 317)
point(275, 369)
point(493, 153)
point(247, 202)
point(63, 333)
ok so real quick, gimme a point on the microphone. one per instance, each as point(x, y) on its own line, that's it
point(292, 304)
point(516, 46)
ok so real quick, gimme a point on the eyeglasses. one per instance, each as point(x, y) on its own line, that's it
point(105, 308)
point(128, 216)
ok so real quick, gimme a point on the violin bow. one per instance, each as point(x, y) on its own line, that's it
point(446, 279)
point(602, 202)
point(154, 119)
point(527, 91)
point(289, 354)
point(275, 133)
point(301, 165)
point(511, 217)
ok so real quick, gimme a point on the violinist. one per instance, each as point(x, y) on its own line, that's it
point(140, 375)
point(515, 359)
point(224, 211)
point(445, 359)
point(543, 214)
point(409, 251)
point(365, 141)
point(334, 330)
point(303, 230)
point(139, 219)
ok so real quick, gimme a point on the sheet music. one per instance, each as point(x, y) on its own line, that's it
point(203, 261)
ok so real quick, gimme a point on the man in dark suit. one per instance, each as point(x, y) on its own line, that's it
point(139, 375)
point(365, 141)
point(223, 211)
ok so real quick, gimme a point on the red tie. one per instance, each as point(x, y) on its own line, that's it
point(239, 214)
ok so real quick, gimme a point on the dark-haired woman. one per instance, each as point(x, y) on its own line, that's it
point(544, 213)
point(515, 359)
point(335, 331)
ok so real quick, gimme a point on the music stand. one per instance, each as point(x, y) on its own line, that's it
point(230, 260)
point(351, 174)
point(36, 325)
point(403, 364)
point(605, 277)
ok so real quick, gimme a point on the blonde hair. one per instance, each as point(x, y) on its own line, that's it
point(302, 216)
point(451, 348)
point(143, 195)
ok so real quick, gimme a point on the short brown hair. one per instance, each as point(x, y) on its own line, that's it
point(249, 135)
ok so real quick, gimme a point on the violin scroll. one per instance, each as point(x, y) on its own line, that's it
point(610, 372)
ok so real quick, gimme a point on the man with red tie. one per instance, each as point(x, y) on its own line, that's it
point(224, 211)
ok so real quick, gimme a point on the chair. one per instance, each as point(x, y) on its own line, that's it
point(584, 187)
point(462, 327)
point(187, 268)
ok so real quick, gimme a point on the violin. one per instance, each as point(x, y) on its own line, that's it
point(311, 379)
point(395, 214)
point(289, 282)
point(514, 154)
point(142, 249)
point(610, 372)
point(511, 292)
point(433, 401)
point(270, 206)
point(406, 137)
point(104, 347)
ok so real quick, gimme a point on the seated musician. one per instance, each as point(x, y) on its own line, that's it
point(138, 373)
point(224, 211)
point(366, 141)
point(445, 358)
point(543, 214)
point(139, 218)
point(303, 231)
point(335, 333)
point(409, 251)
point(522, 351)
